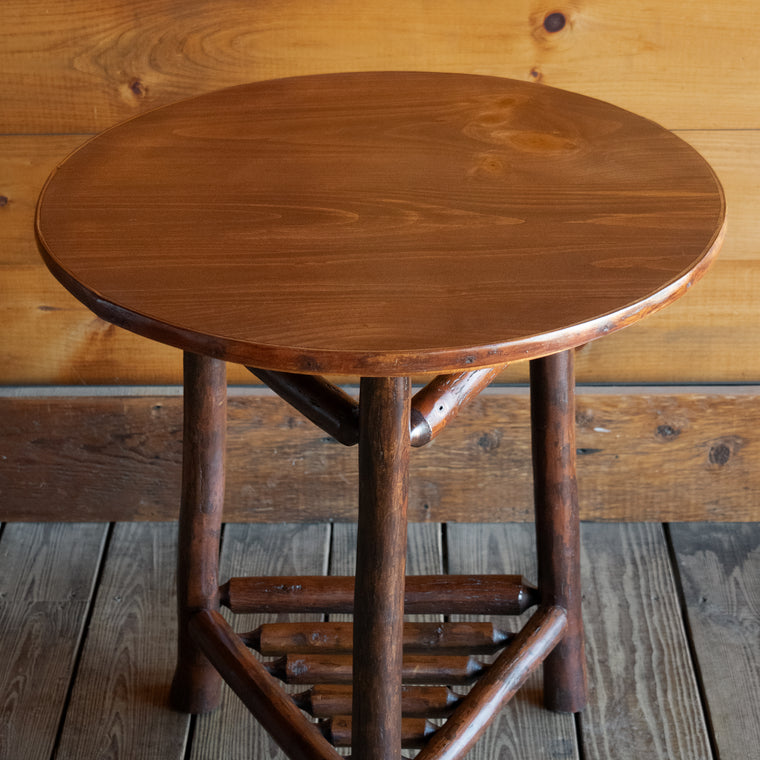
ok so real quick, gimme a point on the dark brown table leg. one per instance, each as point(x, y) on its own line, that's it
point(380, 567)
point(196, 684)
point(552, 382)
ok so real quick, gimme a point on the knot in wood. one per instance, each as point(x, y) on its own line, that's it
point(138, 88)
point(720, 454)
point(554, 22)
point(667, 432)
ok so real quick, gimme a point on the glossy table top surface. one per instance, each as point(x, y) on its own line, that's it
point(381, 223)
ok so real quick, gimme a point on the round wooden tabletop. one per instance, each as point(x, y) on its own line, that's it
point(381, 223)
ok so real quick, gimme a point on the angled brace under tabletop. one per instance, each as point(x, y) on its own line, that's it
point(333, 410)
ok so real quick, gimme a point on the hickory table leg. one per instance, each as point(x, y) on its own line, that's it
point(380, 567)
point(552, 381)
point(196, 685)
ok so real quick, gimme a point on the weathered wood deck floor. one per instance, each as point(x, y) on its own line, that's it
point(672, 617)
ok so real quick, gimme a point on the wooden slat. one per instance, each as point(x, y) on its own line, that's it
point(424, 595)
point(50, 338)
point(254, 550)
point(120, 703)
point(643, 455)
point(424, 554)
point(328, 700)
point(90, 65)
point(720, 577)
point(326, 405)
point(439, 401)
point(640, 675)
point(707, 337)
point(414, 731)
point(734, 156)
point(278, 639)
point(719, 573)
point(47, 577)
point(524, 728)
point(426, 670)
point(25, 162)
point(62, 465)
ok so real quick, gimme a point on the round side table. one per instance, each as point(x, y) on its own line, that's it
point(380, 225)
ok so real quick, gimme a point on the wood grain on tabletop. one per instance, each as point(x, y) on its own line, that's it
point(49, 337)
point(524, 219)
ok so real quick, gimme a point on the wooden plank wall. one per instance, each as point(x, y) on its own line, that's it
point(72, 69)
point(644, 454)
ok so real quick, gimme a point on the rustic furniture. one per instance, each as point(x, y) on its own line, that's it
point(385, 226)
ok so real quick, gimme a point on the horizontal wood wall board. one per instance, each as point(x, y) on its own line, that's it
point(27, 160)
point(735, 156)
point(79, 69)
point(661, 456)
point(25, 163)
point(710, 335)
point(50, 338)
point(90, 65)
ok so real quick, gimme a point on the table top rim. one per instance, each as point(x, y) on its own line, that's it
point(376, 362)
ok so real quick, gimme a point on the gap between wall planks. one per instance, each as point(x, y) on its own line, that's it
point(645, 454)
